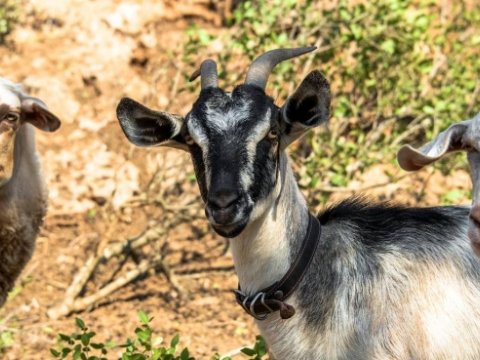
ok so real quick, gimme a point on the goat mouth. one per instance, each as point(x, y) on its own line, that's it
point(230, 230)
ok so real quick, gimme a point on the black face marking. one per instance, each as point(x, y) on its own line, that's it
point(234, 158)
point(235, 140)
point(199, 168)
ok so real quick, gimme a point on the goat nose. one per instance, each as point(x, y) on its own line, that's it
point(223, 198)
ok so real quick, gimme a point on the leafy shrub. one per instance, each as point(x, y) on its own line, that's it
point(8, 16)
point(144, 346)
point(6, 339)
point(400, 71)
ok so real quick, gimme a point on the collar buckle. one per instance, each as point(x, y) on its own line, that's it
point(272, 298)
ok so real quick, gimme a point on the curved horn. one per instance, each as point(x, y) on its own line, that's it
point(263, 65)
point(208, 73)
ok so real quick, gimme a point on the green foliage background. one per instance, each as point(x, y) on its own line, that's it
point(400, 72)
point(8, 17)
point(80, 345)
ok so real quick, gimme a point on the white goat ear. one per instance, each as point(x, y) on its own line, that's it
point(447, 141)
point(34, 111)
point(145, 127)
point(307, 107)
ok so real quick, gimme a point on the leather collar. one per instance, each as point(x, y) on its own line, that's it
point(272, 298)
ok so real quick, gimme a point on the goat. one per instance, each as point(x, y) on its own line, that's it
point(465, 136)
point(23, 195)
point(385, 281)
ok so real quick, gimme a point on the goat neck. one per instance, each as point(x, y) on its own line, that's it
point(266, 248)
point(25, 177)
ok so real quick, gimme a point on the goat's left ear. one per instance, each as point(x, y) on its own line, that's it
point(145, 127)
point(452, 139)
point(34, 111)
point(309, 106)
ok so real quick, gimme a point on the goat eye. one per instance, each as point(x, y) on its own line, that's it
point(272, 134)
point(12, 117)
point(189, 140)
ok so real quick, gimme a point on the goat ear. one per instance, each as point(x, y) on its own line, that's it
point(452, 139)
point(309, 106)
point(145, 127)
point(34, 111)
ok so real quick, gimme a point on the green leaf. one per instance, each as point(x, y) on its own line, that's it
point(260, 346)
point(65, 352)
point(85, 339)
point(388, 46)
point(175, 341)
point(64, 337)
point(55, 353)
point(185, 355)
point(248, 351)
point(80, 324)
point(143, 335)
point(356, 31)
point(137, 356)
point(143, 316)
point(77, 352)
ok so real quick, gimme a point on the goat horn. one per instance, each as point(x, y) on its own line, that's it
point(263, 65)
point(208, 73)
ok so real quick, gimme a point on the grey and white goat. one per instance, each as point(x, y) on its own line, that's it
point(23, 196)
point(385, 282)
point(465, 136)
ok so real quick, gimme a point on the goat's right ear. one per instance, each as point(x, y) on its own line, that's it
point(145, 127)
point(309, 106)
point(452, 139)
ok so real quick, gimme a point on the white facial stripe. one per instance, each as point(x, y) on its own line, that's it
point(224, 121)
point(258, 133)
point(200, 137)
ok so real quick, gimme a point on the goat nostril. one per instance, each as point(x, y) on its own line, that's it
point(224, 200)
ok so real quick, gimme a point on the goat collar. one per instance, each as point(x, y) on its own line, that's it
point(272, 298)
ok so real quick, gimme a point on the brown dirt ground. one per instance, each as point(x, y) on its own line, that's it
point(81, 57)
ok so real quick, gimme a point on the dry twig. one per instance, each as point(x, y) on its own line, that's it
point(73, 302)
point(78, 304)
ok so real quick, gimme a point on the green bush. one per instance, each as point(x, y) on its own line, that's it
point(8, 16)
point(400, 71)
point(80, 345)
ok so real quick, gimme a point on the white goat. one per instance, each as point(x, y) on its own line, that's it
point(23, 195)
point(360, 281)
